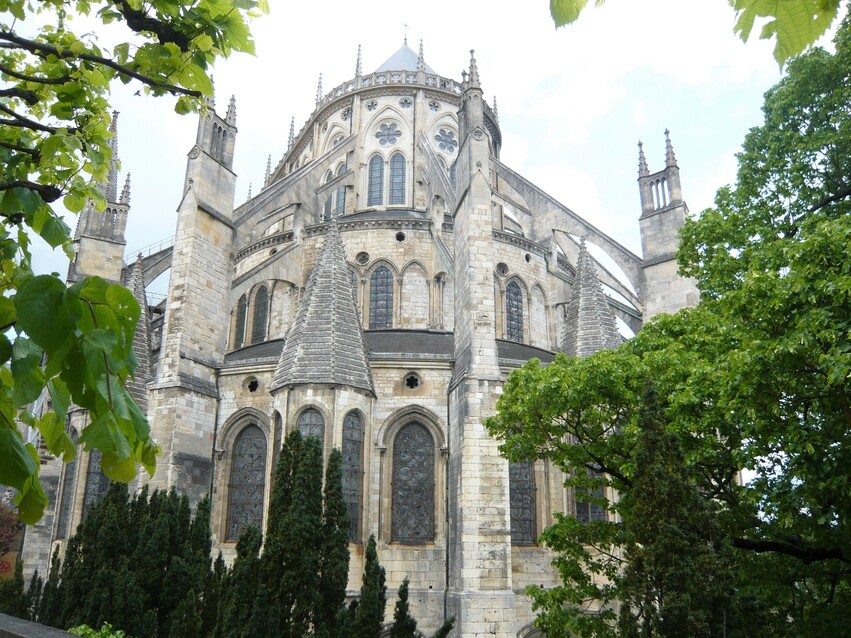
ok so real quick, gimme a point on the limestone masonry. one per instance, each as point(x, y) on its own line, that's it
point(375, 293)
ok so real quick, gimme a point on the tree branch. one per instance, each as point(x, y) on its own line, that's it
point(837, 196)
point(22, 149)
point(792, 547)
point(48, 192)
point(31, 78)
point(139, 21)
point(23, 122)
point(41, 48)
point(27, 96)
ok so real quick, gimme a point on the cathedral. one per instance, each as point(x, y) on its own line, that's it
point(375, 293)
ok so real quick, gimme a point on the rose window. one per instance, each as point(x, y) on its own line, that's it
point(388, 134)
point(446, 140)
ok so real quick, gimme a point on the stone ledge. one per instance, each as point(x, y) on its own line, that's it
point(11, 627)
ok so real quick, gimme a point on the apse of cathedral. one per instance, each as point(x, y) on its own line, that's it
point(375, 293)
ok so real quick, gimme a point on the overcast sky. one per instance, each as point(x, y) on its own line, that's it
point(573, 102)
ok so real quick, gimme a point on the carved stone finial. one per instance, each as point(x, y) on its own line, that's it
point(268, 171)
point(670, 158)
point(421, 58)
point(474, 72)
point(358, 65)
point(291, 140)
point(319, 90)
point(643, 171)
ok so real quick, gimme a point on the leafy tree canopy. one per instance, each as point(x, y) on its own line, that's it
point(794, 24)
point(755, 378)
point(54, 146)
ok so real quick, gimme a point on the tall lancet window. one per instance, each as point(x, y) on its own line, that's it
point(413, 485)
point(96, 481)
point(381, 299)
point(340, 197)
point(247, 481)
point(67, 498)
point(261, 312)
point(352, 450)
point(514, 312)
point(239, 330)
point(311, 423)
point(398, 168)
point(521, 491)
point(375, 190)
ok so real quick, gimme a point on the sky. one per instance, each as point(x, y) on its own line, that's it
point(573, 102)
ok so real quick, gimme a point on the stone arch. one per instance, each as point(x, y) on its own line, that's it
point(530, 631)
point(407, 414)
point(375, 177)
point(334, 131)
point(398, 178)
point(327, 422)
point(240, 323)
point(375, 300)
point(449, 125)
point(414, 296)
point(515, 309)
point(444, 301)
point(260, 302)
point(387, 114)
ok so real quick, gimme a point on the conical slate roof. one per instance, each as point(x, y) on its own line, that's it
point(325, 343)
point(405, 59)
point(589, 324)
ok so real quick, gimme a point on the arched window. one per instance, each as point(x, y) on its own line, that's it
point(375, 190)
point(311, 423)
point(398, 168)
point(586, 511)
point(340, 195)
point(247, 481)
point(326, 211)
point(239, 332)
point(514, 312)
point(67, 501)
point(413, 485)
point(381, 299)
point(352, 450)
point(452, 174)
point(521, 493)
point(261, 313)
point(329, 176)
point(96, 481)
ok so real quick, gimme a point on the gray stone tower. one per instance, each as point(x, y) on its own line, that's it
point(99, 239)
point(480, 587)
point(663, 213)
point(184, 397)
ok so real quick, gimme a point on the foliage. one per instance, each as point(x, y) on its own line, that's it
point(55, 144)
point(369, 612)
point(12, 601)
point(84, 631)
point(10, 527)
point(334, 548)
point(404, 625)
point(755, 378)
point(795, 24)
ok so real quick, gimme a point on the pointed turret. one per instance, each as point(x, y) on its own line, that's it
point(643, 171)
point(230, 117)
point(495, 109)
point(111, 190)
point(249, 192)
point(405, 59)
point(134, 280)
point(670, 158)
point(420, 58)
point(325, 344)
point(268, 177)
point(291, 139)
point(319, 90)
point(359, 65)
point(125, 192)
point(473, 82)
point(589, 325)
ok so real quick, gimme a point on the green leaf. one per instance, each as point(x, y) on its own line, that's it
point(566, 11)
point(47, 311)
point(18, 464)
point(8, 313)
point(57, 440)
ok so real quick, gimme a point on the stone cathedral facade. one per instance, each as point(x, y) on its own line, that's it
point(375, 293)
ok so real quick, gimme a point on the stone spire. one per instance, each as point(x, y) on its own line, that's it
point(249, 191)
point(325, 343)
point(319, 90)
point(111, 192)
point(589, 325)
point(670, 159)
point(421, 58)
point(643, 171)
point(268, 171)
point(473, 82)
point(134, 280)
point(359, 65)
point(125, 192)
point(495, 109)
point(292, 133)
point(230, 117)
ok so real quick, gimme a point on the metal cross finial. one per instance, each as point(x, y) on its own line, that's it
point(405, 25)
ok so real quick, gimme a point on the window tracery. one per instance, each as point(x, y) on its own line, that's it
point(381, 299)
point(398, 168)
point(446, 140)
point(261, 312)
point(521, 490)
point(247, 481)
point(413, 485)
point(375, 190)
point(388, 134)
point(312, 423)
point(352, 451)
point(96, 481)
point(514, 312)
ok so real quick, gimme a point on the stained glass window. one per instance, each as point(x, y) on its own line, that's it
point(340, 200)
point(388, 134)
point(587, 512)
point(96, 482)
point(311, 423)
point(521, 491)
point(352, 450)
point(452, 175)
point(326, 211)
point(247, 481)
point(514, 312)
point(413, 485)
point(381, 299)
point(375, 191)
point(446, 140)
point(261, 311)
point(241, 309)
point(398, 168)
point(67, 501)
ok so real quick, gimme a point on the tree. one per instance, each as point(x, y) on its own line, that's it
point(369, 612)
point(755, 378)
point(404, 625)
point(334, 548)
point(10, 527)
point(796, 24)
point(76, 342)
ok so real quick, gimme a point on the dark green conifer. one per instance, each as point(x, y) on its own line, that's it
point(369, 613)
point(334, 548)
point(50, 606)
point(404, 625)
point(12, 593)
